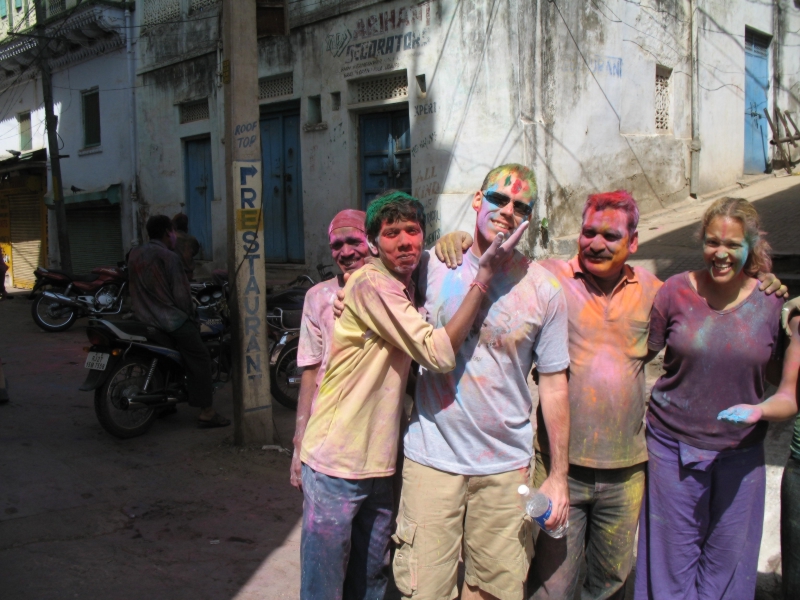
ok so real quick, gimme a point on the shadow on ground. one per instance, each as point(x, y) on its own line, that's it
point(177, 513)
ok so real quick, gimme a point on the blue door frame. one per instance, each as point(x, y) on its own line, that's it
point(199, 185)
point(282, 187)
point(385, 154)
point(756, 88)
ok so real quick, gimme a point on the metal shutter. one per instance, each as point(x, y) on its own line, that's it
point(95, 237)
point(26, 237)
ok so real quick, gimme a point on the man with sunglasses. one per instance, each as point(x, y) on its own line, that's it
point(470, 440)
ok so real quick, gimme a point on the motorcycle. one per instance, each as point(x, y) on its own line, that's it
point(71, 296)
point(136, 372)
point(284, 315)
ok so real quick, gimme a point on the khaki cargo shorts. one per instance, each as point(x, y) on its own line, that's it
point(443, 515)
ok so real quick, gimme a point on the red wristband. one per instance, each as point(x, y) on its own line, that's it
point(481, 286)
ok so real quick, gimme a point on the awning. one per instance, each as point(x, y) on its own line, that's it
point(110, 193)
point(27, 160)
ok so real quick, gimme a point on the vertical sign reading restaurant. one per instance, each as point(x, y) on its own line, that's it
point(252, 404)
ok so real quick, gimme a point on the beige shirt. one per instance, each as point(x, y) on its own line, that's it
point(354, 429)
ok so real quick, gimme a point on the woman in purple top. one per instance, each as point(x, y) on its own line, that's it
point(701, 520)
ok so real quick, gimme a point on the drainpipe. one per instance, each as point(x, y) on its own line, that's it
point(694, 178)
point(132, 122)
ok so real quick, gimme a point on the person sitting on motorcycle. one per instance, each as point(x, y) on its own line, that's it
point(162, 297)
point(347, 236)
point(186, 245)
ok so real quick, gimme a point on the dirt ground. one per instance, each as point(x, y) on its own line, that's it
point(177, 513)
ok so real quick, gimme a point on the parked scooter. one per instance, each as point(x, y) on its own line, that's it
point(72, 296)
point(284, 314)
point(136, 372)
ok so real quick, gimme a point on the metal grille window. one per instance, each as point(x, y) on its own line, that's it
point(662, 98)
point(25, 138)
point(273, 87)
point(194, 111)
point(201, 4)
point(756, 43)
point(91, 118)
point(159, 11)
point(385, 88)
point(55, 7)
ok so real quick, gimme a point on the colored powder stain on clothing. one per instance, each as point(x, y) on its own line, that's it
point(714, 360)
point(608, 344)
point(354, 429)
point(476, 420)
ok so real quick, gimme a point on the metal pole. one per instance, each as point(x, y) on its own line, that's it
point(252, 403)
point(52, 140)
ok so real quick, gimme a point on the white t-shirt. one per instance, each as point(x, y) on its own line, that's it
point(475, 420)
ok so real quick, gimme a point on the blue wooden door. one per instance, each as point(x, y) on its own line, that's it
point(282, 188)
point(385, 154)
point(756, 86)
point(199, 193)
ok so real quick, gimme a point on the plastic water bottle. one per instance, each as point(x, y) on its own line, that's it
point(539, 507)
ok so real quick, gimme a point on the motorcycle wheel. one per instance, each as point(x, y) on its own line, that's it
point(128, 377)
point(285, 367)
point(50, 315)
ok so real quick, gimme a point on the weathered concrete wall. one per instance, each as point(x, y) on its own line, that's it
point(567, 87)
point(466, 122)
point(177, 64)
point(598, 104)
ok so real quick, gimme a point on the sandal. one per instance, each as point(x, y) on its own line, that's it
point(216, 421)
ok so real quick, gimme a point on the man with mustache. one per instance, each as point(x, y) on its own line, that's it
point(349, 449)
point(609, 315)
point(469, 444)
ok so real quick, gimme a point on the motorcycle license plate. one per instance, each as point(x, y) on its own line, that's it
point(97, 361)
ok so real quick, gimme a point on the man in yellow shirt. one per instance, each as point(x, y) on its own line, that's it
point(349, 449)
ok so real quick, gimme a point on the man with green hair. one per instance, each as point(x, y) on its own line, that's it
point(349, 449)
point(469, 444)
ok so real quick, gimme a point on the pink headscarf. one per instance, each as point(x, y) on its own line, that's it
point(349, 218)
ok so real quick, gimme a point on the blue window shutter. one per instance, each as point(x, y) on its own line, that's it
point(18, 4)
point(3, 9)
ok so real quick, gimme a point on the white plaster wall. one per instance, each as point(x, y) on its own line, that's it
point(104, 165)
point(599, 67)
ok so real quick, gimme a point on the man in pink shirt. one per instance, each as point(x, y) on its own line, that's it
point(348, 242)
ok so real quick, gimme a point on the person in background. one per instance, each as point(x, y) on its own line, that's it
point(186, 245)
point(347, 238)
point(161, 297)
point(702, 516)
point(3, 270)
point(349, 449)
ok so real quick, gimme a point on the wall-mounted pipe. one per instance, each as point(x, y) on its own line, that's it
point(694, 177)
point(132, 121)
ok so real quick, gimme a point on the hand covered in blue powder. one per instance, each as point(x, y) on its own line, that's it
point(741, 415)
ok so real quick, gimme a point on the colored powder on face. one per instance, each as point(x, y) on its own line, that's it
point(508, 180)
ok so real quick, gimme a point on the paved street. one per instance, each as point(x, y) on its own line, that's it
point(180, 512)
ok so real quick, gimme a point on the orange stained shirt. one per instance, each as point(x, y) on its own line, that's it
point(354, 430)
point(607, 348)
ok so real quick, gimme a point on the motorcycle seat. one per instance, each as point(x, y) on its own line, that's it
point(156, 336)
point(73, 276)
point(291, 299)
